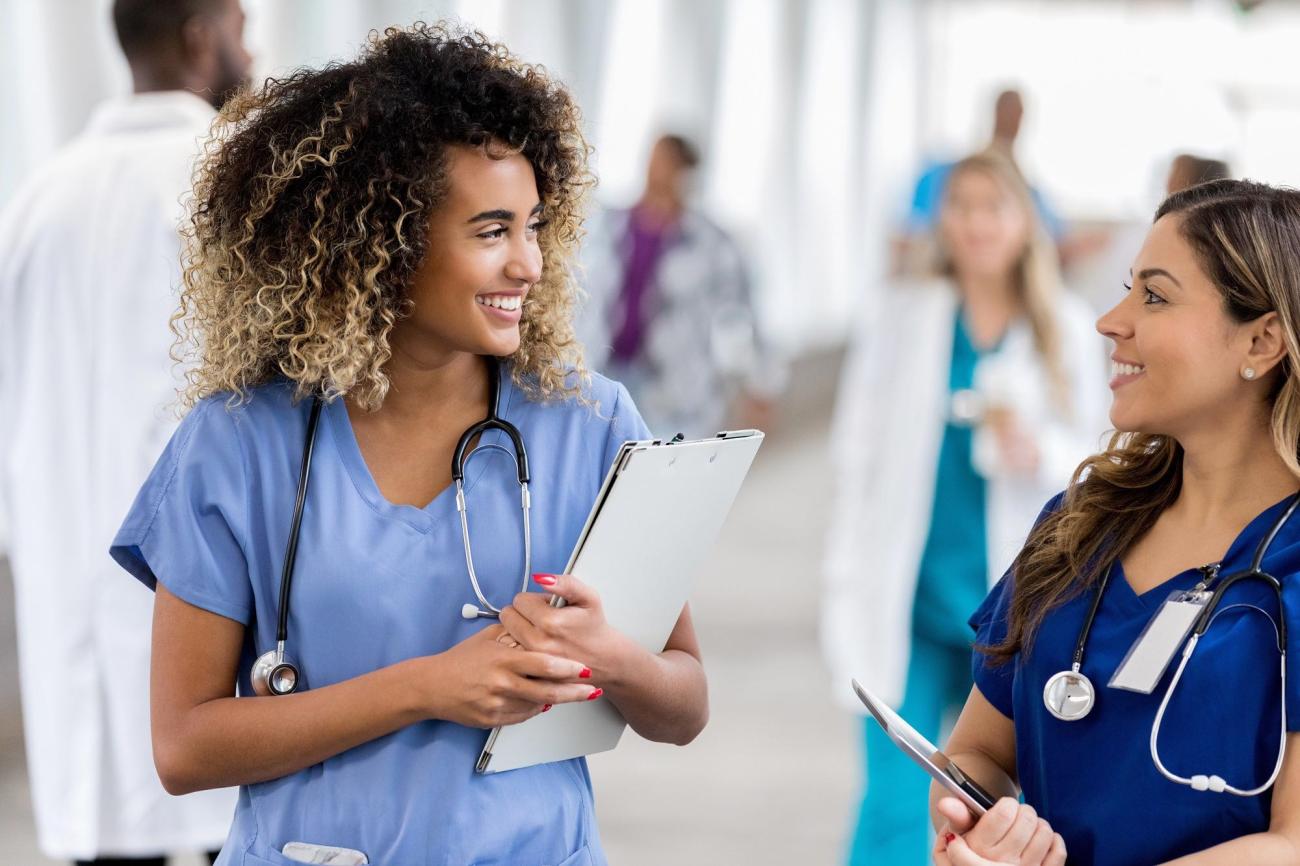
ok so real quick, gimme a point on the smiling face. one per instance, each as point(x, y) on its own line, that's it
point(1179, 356)
point(985, 228)
point(483, 258)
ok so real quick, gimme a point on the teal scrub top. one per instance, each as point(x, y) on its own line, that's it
point(377, 583)
point(953, 575)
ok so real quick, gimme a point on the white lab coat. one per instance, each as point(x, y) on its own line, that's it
point(892, 407)
point(89, 270)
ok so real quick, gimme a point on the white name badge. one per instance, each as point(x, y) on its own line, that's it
point(1155, 648)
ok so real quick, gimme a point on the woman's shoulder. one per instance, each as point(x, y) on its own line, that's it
point(240, 418)
point(898, 308)
point(588, 397)
point(932, 290)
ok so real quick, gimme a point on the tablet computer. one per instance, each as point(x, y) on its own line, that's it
point(923, 752)
point(647, 537)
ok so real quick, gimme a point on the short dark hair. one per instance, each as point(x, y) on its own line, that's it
point(145, 25)
point(1200, 169)
point(687, 153)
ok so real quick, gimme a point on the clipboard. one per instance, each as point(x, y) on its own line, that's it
point(654, 522)
point(940, 767)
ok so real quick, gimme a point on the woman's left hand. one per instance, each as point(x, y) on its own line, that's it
point(1009, 834)
point(579, 627)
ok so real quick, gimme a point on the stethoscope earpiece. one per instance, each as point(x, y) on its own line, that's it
point(473, 611)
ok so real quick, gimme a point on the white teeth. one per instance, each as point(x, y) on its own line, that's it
point(1118, 369)
point(500, 302)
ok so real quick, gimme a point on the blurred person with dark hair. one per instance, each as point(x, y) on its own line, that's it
point(89, 265)
point(1189, 170)
point(965, 399)
point(1098, 281)
point(671, 311)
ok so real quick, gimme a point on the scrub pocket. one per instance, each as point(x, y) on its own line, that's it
point(581, 857)
point(275, 858)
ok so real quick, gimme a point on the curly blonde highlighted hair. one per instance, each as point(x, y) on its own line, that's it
point(311, 204)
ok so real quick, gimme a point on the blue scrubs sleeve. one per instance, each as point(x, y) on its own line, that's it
point(625, 424)
point(185, 526)
point(990, 624)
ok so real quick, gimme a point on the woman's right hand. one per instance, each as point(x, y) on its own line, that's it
point(483, 683)
point(1009, 834)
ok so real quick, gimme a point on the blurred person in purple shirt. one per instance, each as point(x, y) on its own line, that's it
point(671, 311)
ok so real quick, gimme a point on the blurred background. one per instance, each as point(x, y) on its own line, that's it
point(812, 120)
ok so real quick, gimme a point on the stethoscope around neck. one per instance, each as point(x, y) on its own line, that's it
point(275, 672)
point(1070, 695)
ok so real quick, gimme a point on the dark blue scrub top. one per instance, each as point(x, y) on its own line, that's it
point(1093, 779)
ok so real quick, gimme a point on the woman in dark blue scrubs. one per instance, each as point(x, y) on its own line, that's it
point(1207, 405)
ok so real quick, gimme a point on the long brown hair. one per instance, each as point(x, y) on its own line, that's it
point(1246, 237)
point(1036, 275)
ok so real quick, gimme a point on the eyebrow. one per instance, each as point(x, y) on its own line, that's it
point(1148, 273)
point(501, 214)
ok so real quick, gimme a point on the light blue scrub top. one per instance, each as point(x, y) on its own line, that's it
point(1093, 779)
point(376, 583)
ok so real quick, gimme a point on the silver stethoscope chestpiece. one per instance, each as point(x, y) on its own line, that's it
point(274, 673)
point(1069, 695)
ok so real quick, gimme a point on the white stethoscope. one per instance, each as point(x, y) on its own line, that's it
point(1069, 695)
point(274, 672)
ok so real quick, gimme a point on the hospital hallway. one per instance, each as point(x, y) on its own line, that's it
point(771, 780)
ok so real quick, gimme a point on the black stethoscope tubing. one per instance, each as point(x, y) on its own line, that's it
point(274, 673)
point(1221, 585)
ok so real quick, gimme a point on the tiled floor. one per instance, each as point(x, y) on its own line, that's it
point(769, 781)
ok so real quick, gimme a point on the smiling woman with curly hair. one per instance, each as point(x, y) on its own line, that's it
point(380, 259)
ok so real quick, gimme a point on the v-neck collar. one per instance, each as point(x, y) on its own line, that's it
point(442, 505)
point(1238, 556)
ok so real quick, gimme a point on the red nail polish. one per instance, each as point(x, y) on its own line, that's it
point(544, 579)
point(597, 693)
point(948, 837)
point(545, 708)
point(584, 674)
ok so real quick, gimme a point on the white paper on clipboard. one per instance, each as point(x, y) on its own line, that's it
point(653, 524)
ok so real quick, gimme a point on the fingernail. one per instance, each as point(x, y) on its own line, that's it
point(585, 674)
point(545, 708)
point(544, 579)
point(948, 837)
point(597, 693)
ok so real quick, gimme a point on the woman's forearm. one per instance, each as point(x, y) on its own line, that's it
point(984, 770)
point(1257, 849)
point(239, 741)
point(664, 697)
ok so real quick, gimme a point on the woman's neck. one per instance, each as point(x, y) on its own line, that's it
point(427, 384)
point(990, 304)
point(659, 208)
point(1232, 473)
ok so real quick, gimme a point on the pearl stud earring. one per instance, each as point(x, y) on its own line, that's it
point(1248, 373)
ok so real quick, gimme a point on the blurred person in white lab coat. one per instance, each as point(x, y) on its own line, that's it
point(671, 312)
point(966, 402)
point(89, 269)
